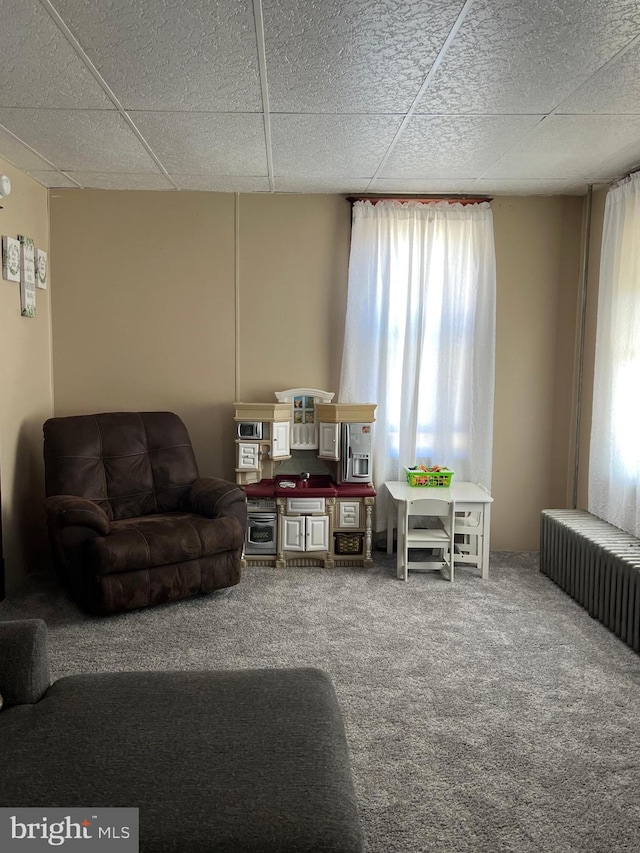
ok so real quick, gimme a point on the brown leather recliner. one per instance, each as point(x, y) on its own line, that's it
point(131, 522)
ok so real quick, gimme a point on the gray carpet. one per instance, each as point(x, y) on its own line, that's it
point(481, 716)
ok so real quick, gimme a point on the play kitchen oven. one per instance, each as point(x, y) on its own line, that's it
point(262, 526)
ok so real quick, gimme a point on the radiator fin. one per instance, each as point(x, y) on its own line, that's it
point(598, 565)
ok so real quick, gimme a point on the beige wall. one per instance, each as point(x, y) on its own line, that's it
point(187, 301)
point(538, 244)
point(25, 387)
point(294, 257)
point(144, 311)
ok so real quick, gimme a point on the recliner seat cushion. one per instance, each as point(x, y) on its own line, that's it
point(160, 540)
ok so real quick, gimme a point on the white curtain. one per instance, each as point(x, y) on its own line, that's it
point(614, 457)
point(420, 336)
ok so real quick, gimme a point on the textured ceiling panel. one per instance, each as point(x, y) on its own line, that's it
point(454, 146)
point(38, 66)
point(319, 185)
point(330, 146)
point(113, 181)
point(162, 54)
point(615, 89)
point(525, 96)
point(87, 140)
point(222, 183)
point(205, 143)
point(420, 186)
point(52, 179)
point(352, 57)
point(569, 147)
point(559, 187)
point(517, 56)
point(18, 154)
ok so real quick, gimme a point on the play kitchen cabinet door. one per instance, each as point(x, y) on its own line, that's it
point(280, 439)
point(348, 516)
point(304, 533)
point(329, 441)
point(248, 456)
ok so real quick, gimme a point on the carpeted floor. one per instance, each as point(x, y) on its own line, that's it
point(482, 716)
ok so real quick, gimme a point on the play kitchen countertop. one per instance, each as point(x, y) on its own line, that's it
point(318, 485)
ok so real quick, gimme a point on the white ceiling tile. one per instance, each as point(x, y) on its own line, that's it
point(222, 183)
point(52, 179)
point(349, 57)
point(512, 56)
point(454, 146)
point(338, 186)
point(316, 146)
point(15, 152)
point(569, 147)
point(519, 187)
point(205, 143)
point(426, 186)
point(87, 140)
point(114, 181)
point(615, 89)
point(38, 66)
point(163, 55)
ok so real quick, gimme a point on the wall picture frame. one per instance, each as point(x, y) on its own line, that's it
point(10, 259)
point(41, 269)
point(27, 277)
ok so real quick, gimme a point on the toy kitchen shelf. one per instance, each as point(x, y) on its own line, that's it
point(297, 518)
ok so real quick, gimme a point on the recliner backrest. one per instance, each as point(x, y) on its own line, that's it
point(130, 463)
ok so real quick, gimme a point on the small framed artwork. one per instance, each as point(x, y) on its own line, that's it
point(27, 277)
point(41, 269)
point(10, 259)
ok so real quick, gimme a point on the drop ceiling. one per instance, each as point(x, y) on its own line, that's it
point(358, 96)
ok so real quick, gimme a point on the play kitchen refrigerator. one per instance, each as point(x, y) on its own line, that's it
point(355, 452)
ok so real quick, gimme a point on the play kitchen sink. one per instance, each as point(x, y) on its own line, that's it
point(313, 485)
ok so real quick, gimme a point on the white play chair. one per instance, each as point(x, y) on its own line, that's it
point(439, 537)
point(468, 529)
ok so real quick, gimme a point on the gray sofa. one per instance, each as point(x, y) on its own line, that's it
point(229, 761)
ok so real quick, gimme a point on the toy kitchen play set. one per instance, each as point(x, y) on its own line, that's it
point(305, 464)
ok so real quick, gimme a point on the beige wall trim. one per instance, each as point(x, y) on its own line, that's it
point(236, 274)
point(584, 273)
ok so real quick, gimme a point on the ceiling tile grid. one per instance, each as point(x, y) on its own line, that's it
point(343, 96)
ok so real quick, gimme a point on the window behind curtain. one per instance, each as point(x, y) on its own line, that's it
point(420, 335)
point(614, 459)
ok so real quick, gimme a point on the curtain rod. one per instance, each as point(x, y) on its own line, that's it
point(374, 199)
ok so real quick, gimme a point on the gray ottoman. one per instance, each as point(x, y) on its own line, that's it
point(226, 761)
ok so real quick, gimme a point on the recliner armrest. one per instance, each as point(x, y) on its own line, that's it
point(212, 497)
point(65, 510)
point(24, 661)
